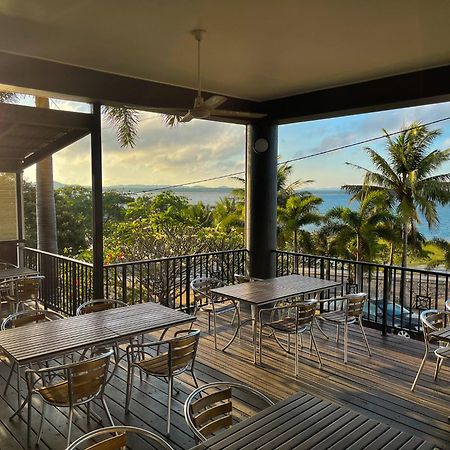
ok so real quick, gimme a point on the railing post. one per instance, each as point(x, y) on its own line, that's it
point(386, 288)
point(124, 283)
point(188, 283)
point(74, 289)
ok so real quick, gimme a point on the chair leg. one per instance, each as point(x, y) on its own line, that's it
point(295, 353)
point(345, 342)
point(215, 331)
point(8, 381)
point(194, 378)
point(289, 343)
point(169, 402)
point(337, 334)
point(209, 322)
point(439, 362)
point(260, 343)
point(130, 379)
point(29, 421)
point(108, 414)
point(69, 432)
point(420, 369)
point(313, 340)
point(364, 336)
point(41, 425)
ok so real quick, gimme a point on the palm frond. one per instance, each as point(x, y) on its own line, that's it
point(125, 121)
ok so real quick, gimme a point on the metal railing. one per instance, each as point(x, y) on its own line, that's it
point(67, 282)
point(396, 295)
point(167, 280)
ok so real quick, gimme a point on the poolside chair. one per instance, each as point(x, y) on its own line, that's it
point(433, 320)
point(294, 319)
point(178, 357)
point(118, 439)
point(350, 314)
point(214, 407)
point(205, 301)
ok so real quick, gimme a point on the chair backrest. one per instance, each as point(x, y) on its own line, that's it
point(6, 265)
point(27, 288)
point(98, 305)
point(305, 312)
point(447, 304)
point(433, 320)
point(182, 351)
point(201, 287)
point(22, 318)
point(87, 378)
point(209, 413)
point(354, 304)
point(119, 439)
point(240, 278)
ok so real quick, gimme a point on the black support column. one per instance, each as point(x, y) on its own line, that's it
point(97, 202)
point(261, 198)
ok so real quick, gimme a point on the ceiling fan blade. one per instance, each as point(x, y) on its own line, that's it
point(214, 101)
point(172, 111)
point(238, 114)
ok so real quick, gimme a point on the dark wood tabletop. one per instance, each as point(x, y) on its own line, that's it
point(267, 291)
point(42, 341)
point(17, 272)
point(305, 422)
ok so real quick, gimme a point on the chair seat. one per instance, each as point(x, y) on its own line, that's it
point(286, 325)
point(336, 317)
point(443, 352)
point(159, 365)
point(219, 307)
point(4, 358)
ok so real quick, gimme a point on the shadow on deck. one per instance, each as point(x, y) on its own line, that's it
point(377, 387)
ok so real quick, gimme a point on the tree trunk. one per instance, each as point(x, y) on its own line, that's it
point(295, 241)
point(405, 245)
point(45, 199)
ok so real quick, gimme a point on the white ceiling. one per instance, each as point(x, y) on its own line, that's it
point(254, 49)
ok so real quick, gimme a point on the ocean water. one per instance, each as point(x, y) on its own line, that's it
point(332, 198)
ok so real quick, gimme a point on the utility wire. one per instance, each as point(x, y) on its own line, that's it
point(312, 155)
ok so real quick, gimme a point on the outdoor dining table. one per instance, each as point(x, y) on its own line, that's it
point(46, 340)
point(17, 272)
point(265, 292)
point(305, 422)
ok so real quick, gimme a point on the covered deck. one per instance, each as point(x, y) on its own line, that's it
point(377, 388)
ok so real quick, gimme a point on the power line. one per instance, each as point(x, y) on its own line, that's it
point(312, 155)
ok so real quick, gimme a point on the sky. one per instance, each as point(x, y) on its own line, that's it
point(202, 149)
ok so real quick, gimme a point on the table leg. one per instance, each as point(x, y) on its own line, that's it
point(255, 331)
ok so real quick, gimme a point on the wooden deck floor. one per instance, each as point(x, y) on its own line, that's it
point(378, 387)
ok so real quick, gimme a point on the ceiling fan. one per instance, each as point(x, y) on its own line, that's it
point(202, 108)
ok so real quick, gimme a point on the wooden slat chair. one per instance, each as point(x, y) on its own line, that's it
point(433, 320)
point(23, 291)
point(70, 385)
point(210, 413)
point(350, 314)
point(201, 287)
point(294, 320)
point(119, 439)
point(178, 358)
point(20, 319)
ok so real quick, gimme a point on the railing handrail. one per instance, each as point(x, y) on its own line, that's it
point(172, 258)
point(367, 263)
point(64, 258)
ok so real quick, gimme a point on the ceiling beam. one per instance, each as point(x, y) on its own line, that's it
point(40, 77)
point(412, 89)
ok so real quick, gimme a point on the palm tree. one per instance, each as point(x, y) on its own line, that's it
point(227, 214)
point(443, 245)
point(408, 178)
point(357, 232)
point(298, 212)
